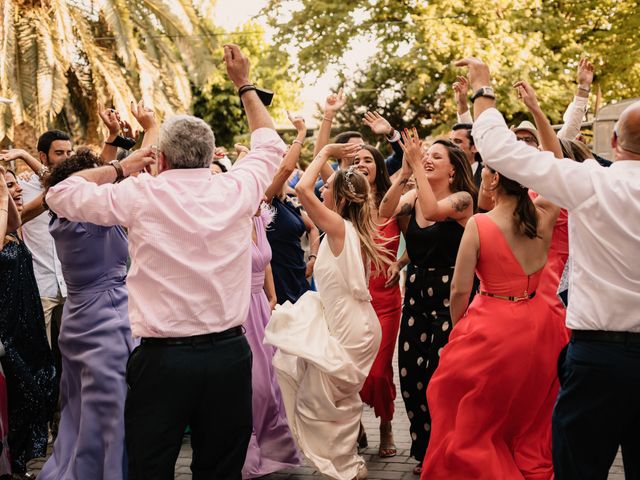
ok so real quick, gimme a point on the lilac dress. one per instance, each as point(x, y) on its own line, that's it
point(95, 342)
point(271, 447)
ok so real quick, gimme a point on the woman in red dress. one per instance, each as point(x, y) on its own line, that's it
point(492, 396)
point(379, 390)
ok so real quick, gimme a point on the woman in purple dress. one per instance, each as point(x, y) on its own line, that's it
point(271, 447)
point(95, 342)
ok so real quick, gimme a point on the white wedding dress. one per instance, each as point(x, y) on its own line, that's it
point(327, 342)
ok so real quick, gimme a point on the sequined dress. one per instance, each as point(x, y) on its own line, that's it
point(28, 362)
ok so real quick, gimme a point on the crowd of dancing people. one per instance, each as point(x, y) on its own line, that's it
point(256, 307)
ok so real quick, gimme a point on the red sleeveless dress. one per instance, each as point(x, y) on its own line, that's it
point(378, 390)
point(492, 396)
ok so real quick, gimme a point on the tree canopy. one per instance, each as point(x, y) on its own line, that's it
point(413, 43)
point(66, 57)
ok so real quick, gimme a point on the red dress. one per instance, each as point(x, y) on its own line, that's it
point(379, 390)
point(492, 396)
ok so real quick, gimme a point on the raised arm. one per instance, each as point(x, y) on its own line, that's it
point(548, 138)
point(461, 92)
point(380, 126)
point(332, 105)
point(111, 120)
point(147, 120)
point(324, 218)
point(578, 107)
point(290, 160)
point(462, 281)
point(564, 182)
point(20, 154)
point(457, 206)
point(394, 203)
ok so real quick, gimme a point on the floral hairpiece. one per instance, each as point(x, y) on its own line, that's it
point(347, 176)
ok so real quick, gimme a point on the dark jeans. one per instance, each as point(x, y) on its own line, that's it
point(205, 386)
point(598, 410)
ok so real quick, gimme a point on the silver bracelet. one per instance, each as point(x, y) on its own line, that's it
point(43, 171)
point(298, 142)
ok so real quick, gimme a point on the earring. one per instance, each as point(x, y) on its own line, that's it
point(451, 180)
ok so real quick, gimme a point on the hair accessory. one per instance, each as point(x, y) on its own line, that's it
point(347, 176)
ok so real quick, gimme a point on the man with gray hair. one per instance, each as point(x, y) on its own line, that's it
point(190, 245)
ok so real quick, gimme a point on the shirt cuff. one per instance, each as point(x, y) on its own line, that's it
point(487, 120)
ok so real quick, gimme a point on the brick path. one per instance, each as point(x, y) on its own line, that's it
point(394, 468)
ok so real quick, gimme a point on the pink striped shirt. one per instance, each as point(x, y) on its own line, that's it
point(189, 238)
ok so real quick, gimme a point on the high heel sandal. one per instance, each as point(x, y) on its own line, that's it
point(387, 445)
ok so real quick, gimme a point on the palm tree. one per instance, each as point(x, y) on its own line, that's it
point(60, 59)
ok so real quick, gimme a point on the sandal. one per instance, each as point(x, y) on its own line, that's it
point(362, 437)
point(417, 470)
point(387, 446)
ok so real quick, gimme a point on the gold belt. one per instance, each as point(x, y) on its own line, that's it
point(526, 296)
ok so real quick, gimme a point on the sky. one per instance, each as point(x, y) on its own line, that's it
point(233, 13)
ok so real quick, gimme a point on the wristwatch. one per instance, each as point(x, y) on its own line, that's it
point(483, 92)
point(119, 171)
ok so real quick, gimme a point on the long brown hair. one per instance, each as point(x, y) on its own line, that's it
point(351, 196)
point(462, 175)
point(525, 216)
point(383, 182)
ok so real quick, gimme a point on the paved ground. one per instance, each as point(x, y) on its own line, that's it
point(395, 468)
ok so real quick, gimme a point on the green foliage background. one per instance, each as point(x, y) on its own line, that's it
point(408, 78)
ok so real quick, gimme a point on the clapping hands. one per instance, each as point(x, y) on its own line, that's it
point(412, 148)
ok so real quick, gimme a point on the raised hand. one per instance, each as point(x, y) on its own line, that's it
point(297, 121)
point(527, 94)
point(111, 119)
point(585, 74)
point(412, 148)
point(144, 115)
point(237, 65)
point(479, 75)
point(461, 89)
point(341, 150)
point(241, 149)
point(377, 123)
point(138, 161)
point(12, 154)
point(334, 102)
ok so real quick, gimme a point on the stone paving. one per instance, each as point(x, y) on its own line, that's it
point(395, 468)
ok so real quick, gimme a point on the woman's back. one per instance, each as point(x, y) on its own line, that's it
point(509, 262)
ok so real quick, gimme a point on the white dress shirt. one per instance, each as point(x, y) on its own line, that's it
point(604, 222)
point(189, 238)
point(46, 265)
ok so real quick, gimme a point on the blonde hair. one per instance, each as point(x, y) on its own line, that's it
point(351, 195)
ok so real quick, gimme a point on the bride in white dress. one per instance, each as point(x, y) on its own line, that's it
point(327, 340)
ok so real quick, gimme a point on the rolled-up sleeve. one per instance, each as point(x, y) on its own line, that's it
point(564, 182)
point(79, 200)
point(255, 172)
point(572, 118)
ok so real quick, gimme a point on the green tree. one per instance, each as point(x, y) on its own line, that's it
point(61, 58)
point(409, 75)
point(217, 102)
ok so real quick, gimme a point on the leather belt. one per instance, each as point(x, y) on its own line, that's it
point(194, 340)
point(526, 296)
point(631, 338)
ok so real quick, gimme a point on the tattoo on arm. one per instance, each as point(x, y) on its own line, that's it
point(405, 210)
point(460, 202)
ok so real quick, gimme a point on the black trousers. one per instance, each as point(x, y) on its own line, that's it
point(598, 410)
point(206, 386)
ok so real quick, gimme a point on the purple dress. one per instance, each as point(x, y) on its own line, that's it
point(271, 447)
point(95, 342)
